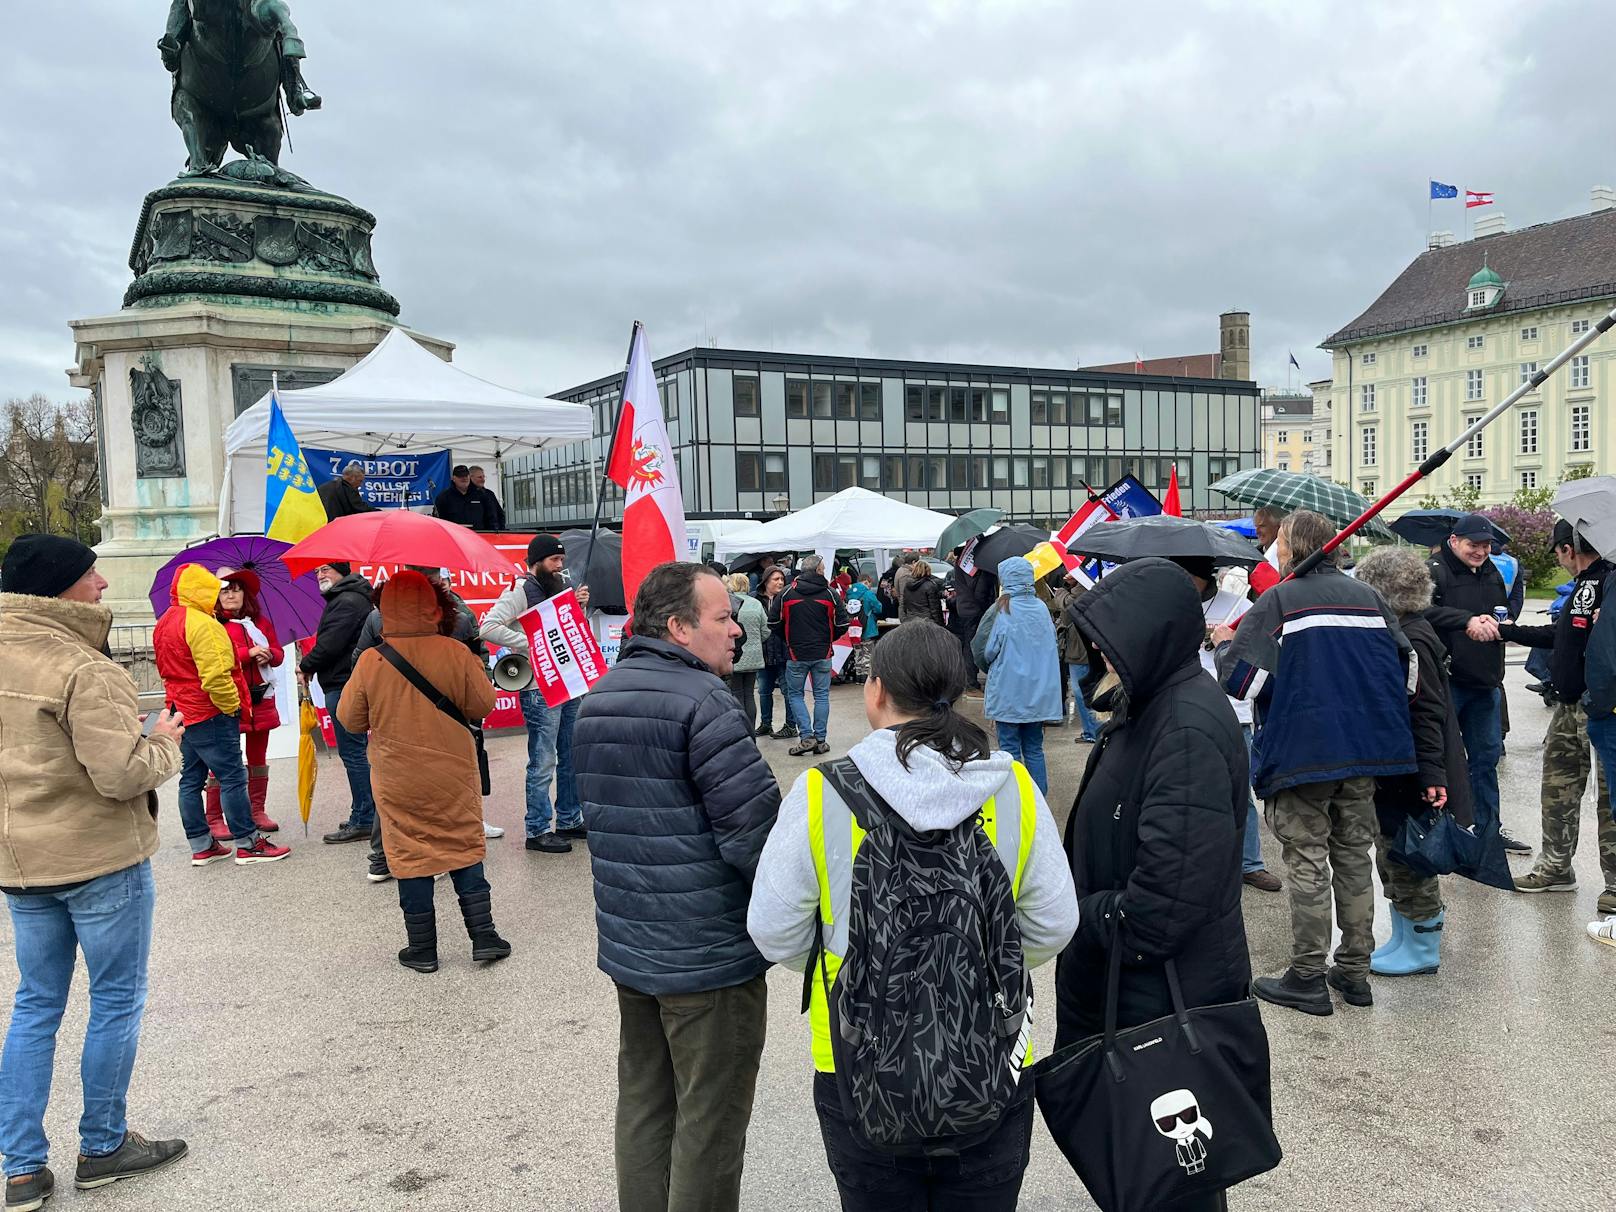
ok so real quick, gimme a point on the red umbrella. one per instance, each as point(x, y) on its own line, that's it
point(397, 536)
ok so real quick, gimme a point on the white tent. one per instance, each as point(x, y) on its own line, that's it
point(853, 518)
point(399, 397)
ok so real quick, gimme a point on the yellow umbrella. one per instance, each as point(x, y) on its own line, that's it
point(307, 771)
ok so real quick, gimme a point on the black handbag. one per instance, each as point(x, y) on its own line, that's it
point(1173, 1109)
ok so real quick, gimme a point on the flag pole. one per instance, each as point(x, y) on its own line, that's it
point(1447, 452)
point(606, 464)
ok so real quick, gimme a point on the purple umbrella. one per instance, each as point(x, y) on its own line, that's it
point(293, 604)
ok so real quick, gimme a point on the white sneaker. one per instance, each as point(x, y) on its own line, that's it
point(1603, 932)
point(492, 830)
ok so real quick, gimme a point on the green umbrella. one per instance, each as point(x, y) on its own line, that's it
point(1291, 490)
point(966, 527)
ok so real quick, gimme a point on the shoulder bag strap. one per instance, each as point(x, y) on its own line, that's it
point(413, 676)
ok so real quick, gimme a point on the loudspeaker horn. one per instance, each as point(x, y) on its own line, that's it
point(513, 673)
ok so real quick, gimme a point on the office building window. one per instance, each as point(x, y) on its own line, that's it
point(870, 472)
point(822, 399)
point(1581, 434)
point(1040, 472)
point(1421, 350)
point(1474, 480)
point(1419, 440)
point(1019, 472)
point(1529, 333)
point(1579, 372)
point(774, 472)
point(1528, 369)
point(1475, 446)
point(1001, 403)
point(1578, 327)
point(1472, 384)
point(748, 471)
point(669, 390)
point(1001, 471)
point(1419, 395)
point(1474, 342)
point(1113, 410)
point(958, 404)
point(1369, 438)
point(1366, 398)
point(892, 469)
point(1369, 359)
point(1217, 467)
point(1529, 431)
point(834, 472)
point(1080, 471)
point(1529, 478)
point(746, 396)
point(796, 398)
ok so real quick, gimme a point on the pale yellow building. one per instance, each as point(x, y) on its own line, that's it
point(1461, 327)
point(1287, 430)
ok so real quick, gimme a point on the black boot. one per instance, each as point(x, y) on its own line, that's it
point(1353, 992)
point(422, 931)
point(1307, 994)
point(477, 909)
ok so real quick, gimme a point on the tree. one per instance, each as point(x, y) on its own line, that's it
point(49, 476)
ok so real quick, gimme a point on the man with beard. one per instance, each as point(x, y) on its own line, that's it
point(549, 729)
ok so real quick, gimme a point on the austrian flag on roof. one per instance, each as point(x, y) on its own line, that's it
point(1475, 198)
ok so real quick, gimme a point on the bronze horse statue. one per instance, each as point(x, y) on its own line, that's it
point(230, 60)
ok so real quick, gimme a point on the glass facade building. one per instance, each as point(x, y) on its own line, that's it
point(758, 434)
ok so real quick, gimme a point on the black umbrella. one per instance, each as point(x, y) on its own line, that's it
point(1012, 540)
point(1166, 536)
point(604, 576)
point(747, 561)
point(1431, 527)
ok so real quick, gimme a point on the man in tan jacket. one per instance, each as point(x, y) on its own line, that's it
point(78, 827)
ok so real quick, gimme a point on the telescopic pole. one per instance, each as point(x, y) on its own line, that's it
point(600, 489)
point(1440, 457)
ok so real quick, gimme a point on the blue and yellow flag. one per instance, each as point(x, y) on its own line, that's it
point(292, 508)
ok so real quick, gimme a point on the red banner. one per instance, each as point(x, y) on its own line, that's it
point(567, 661)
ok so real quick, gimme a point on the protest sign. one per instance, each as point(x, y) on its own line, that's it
point(566, 659)
point(399, 479)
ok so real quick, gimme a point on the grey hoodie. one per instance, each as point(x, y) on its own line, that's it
point(930, 795)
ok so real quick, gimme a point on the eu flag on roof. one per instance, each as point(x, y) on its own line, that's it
point(1439, 190)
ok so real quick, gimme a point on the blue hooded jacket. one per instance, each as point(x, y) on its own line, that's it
point(1017, 647)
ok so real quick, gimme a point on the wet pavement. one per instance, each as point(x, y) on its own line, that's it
point(308, 1070)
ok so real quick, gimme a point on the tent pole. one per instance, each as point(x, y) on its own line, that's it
point(600, 484)
point(1440, 457)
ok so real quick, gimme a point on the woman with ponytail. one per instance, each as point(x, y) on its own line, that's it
point(933, 768)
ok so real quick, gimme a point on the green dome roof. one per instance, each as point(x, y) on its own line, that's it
point(1485, 276)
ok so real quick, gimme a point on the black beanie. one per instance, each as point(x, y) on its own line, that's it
point(542, 547)
point(342, 566)
point(44, 565)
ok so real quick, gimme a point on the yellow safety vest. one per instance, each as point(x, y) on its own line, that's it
point(834, 837)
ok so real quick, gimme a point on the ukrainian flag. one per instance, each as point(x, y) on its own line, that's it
point(292, 508)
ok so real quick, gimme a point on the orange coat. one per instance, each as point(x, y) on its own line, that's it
point(423, 765)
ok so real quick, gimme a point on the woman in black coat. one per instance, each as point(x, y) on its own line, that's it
point(1155, 833)
point(1443, 779)
point(923, 595)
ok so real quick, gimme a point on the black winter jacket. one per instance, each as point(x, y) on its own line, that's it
point(1438, 744)
point(347, 607)
point(923, 599)
point(679, 803)
point(1568, 634)
point(1462, 593)
point(774, 644)
point(1155, 833)
point(808, 617)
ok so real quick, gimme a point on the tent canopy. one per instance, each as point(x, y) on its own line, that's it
point(853, 518)
point(399, 397)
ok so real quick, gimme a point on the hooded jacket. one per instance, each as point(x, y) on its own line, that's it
point(1155, 833)
point(347, 606)
point(195, 657)
point(922, 599)
point(423, 765)
point(754, 621)
point(77, 779)
point(1462, 593)
point(679, 803)
point(1438, 744)
point(808, 617)
point(930, 794)
point(1017, 648)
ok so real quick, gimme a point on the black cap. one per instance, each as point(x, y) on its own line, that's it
point(341, 566)
point(1564, 535)
point(542, 547)
point(1473, 526)
point(459, 470)
point(44, 565)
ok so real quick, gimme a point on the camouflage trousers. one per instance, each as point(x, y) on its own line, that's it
point(862, 656)
point(1567, 757)
point(1326, 832)
point(1416, 897)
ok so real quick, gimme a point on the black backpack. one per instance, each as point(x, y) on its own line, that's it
point(929, 1014)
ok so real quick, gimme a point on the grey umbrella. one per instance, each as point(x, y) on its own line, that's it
point(966, 526)
point(1168, 537)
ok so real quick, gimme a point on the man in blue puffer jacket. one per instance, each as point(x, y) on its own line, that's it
point(679, 803)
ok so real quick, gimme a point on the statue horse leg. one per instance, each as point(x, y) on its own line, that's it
point(263, 134)
point(204, 139)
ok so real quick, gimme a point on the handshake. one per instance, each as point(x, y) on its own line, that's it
point(1483, 630)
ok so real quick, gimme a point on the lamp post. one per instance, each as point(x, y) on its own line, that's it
point(781, 503)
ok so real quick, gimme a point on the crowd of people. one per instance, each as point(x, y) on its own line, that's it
point(913, 882)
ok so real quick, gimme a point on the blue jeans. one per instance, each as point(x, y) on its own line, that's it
point(1251, 852)
point(568, 811)
point(797, 675)
point(1025, 743)
point(214, 744)
point(110, 920)
point(1091, 726)
point(543, 730)
point(1482, 726)
point(354, 750)
point(1602, 736)
point(771, 677)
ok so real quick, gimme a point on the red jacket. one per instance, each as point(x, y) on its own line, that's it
point(201, 676)
point(265, 713)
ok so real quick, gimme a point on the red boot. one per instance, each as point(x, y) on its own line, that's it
point(257, 792)
point(215, 812)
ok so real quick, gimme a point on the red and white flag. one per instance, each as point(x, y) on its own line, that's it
point(642, 463)
point(1090, 513)
point(1138, 363)
point(566, 657)
point(1475, 198)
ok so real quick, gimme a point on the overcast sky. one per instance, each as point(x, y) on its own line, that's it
point(1031, 183)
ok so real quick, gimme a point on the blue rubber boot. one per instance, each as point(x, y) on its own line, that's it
point(1393, 944)
point(1421, 952)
